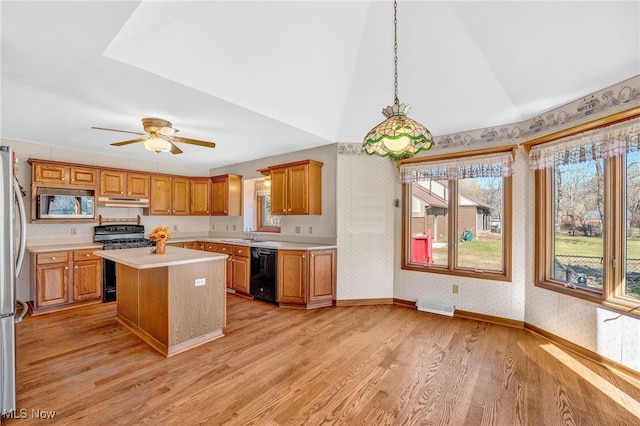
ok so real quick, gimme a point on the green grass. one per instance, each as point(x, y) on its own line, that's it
point(590, 246)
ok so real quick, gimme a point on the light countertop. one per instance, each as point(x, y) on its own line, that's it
point(284, 245)
point(62, 247)
point(143, 258)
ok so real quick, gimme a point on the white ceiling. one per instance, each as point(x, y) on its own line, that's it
point(263, 78)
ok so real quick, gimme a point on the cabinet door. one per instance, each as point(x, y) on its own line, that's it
point(179, 196)
point(112, 183)
point(51, 284)
point(298, 190)
point(160, 201)
point(292, 276)
point(228, 249)
point(213, 247)
point(200, 197)
point(49, 173)
point(82, 176)
point(279, 191)
point(137, 185)
point(219, 205)
point(87, 280)
point(322, 278)
point(241, 275)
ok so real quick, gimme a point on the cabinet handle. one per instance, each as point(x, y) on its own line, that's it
point(303, 256)
point(53, 258)
point(88, 255)
point(75, 267)
point(66, 267)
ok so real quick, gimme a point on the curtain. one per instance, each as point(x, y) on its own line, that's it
point(489, 165)
point(594, 144)
point(262, 189)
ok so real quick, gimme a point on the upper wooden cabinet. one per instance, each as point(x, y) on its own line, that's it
point(226, 195)
point(169, 195)
point(114, 183)
point(180, 195)
point(296, 188)
point(200, 196)
point(64, 175)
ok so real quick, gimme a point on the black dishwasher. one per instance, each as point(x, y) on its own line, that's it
point(264, 265)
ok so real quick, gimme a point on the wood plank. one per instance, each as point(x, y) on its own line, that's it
point(379, 364)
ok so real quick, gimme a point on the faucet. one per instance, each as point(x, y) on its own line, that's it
point(249, 233)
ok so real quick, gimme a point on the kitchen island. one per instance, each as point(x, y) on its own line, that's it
point(172, 301)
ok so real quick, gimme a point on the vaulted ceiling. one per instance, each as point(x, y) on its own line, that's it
point(263, 78)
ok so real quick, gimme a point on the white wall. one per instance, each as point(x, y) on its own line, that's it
point(366, 219)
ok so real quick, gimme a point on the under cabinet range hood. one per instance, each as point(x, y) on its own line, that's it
point(123, 202)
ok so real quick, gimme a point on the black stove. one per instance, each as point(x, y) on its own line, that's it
point(115, 237)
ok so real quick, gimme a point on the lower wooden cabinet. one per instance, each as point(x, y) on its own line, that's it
point(64, 279)
point(241, 266)
point(306, 278)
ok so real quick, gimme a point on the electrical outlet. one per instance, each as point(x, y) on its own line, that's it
point(175, 228)
point(297, 229)
point(310, 230)
point(455, 289)
point(234, 227)
point(73, 231)
point(227, 227)
point(213, 227)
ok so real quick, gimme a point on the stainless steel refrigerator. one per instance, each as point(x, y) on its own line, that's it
point(12, 246)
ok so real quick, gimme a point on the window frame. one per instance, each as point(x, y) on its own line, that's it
point(614, 230)
point(452, 231)
point(260, 226)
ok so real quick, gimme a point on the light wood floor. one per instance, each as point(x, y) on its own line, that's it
point(364, 365)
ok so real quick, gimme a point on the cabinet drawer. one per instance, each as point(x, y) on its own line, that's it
point(52, 257)
point(84, 255)
point(211, 247)
point(225, 248)
point(242, 251)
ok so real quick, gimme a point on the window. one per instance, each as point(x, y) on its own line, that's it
point(265, 221)
point(588, 214)
point(457, 214)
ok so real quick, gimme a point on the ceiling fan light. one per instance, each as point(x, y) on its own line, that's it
point(157, 144)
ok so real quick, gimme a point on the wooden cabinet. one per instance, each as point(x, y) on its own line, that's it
point(241, 265)
point(200, 197)
point(169, 195)
point(194, 245)
point(228, 249)
point(87, 275)
point(226, 198)
point(306, 279)
point(115, 183)
point(49, 173)
point(55, 288)
point(160, 200)
point(296, 188)
point(213, 247)
point(180, 191)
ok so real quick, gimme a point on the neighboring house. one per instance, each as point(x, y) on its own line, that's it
point(429, 211)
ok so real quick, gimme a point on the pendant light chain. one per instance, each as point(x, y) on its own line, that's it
point(395, 50)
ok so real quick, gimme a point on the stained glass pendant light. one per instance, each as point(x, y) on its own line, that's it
point(398, 136)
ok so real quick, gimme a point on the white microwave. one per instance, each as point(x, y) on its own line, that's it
point(53, 203)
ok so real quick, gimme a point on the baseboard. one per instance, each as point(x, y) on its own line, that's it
point(488, 318)
point(363, 302)
point(411, 304)
point(584, 352)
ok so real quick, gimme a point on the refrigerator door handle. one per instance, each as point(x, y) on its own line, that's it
point(25, 310)
point(23, 226)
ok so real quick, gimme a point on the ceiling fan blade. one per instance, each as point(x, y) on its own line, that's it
point(175, 149)
point(128, 142)
point(194, 142)
point(116, 130)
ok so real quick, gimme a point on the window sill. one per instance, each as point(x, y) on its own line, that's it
point(484, 275)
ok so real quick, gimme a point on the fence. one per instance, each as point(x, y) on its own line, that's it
point(587, 271)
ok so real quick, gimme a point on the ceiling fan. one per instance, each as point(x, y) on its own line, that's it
point(159, 137)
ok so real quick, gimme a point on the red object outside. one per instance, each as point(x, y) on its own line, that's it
point(422, 248)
